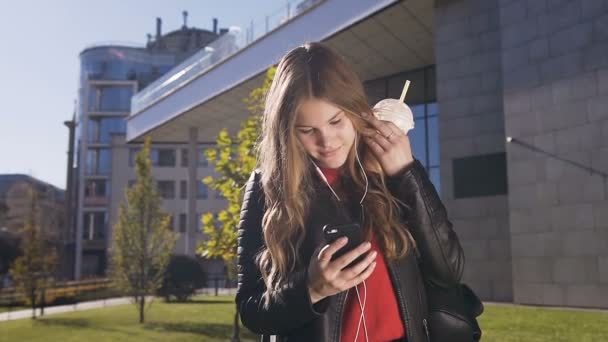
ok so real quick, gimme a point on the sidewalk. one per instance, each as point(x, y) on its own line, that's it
point(21, 314)
point(50, 310)
point(548, 307)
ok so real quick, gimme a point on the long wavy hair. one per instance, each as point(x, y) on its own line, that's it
point(315, 71)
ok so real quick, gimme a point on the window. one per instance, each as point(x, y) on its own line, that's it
point(94, 225)
point(202, 159)
point(171, 223)
point(109, 127)
point(484, 175)
point(96, 188)
point(163, 157)
point(100, 130)
point(166, 189)
point(183, 223)
point(184, 157)
point(203, 191)
point(183, 189)
point(199, 222)
point(99, 161)
point(110, 98)
point(132, 154)
point(418, 140)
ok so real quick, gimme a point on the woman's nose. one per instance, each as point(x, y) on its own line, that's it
point(325, 138)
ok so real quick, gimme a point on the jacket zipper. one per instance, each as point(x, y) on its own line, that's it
point(426, 329)
point(425, 323)
point(341, 301)
point(403, 307)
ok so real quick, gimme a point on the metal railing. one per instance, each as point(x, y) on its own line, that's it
point(234, 40)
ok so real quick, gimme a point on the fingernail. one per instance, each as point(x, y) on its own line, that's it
point(373, 264)
point(368, 245)
point(374, 254)
point(343, 239)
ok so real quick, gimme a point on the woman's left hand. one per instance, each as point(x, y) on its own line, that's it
point(390, 145)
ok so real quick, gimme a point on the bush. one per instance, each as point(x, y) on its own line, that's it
point(184, 275)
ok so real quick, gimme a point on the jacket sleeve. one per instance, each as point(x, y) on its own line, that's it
point(441, 256)
point(279, 316)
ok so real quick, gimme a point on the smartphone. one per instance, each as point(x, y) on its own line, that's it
point(352, 231)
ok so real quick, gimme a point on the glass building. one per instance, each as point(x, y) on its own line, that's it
point(109, 76)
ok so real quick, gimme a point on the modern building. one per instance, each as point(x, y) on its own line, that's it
point(510, 100)
point(103, 161)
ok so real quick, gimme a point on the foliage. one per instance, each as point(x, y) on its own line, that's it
point(234, 159)
point(142, 238)
point(184, 275)
point(33, 271)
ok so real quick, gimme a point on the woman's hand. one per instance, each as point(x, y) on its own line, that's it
point(390, 145)
point(326, 277)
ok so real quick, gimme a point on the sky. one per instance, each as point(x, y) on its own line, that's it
point(39, 65)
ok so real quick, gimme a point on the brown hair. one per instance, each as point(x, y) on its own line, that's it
point(315, 71)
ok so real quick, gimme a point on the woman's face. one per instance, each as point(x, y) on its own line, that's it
point(325, 131)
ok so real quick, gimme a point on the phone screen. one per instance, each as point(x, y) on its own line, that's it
point(352, 231)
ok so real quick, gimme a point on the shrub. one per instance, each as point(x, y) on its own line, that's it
point(184, 275)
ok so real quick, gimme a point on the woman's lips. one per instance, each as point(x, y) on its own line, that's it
point(330, 153)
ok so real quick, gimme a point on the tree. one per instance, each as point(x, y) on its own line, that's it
point(142, 237)
point(234, 159)
point(33, 271)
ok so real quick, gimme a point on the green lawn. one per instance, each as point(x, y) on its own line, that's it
point(14, 308)
point(532, 324)
point(210, 319)
point(204, 319)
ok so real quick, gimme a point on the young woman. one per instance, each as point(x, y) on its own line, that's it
point(324, 159)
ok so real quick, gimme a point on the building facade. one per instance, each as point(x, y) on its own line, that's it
point(109, 76)
point(510, 101)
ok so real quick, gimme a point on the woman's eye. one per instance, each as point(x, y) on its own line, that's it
point(336, 122)
point(307, 131)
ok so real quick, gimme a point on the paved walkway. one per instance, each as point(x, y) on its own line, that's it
point(21, 314)
point(566, 308)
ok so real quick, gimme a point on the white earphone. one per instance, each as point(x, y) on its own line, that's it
point(361, 303)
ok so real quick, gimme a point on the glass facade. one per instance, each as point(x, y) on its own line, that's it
point(101, 129)
point(162, 157)
point(202, 159)
point(95, 224)
point(96, 188)
point(99, 161)
point(203, 191)
point(421, 98)
point(109, 98)
point(119, 63)
point(166, 189)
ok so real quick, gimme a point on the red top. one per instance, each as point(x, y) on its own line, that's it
point(381, 309)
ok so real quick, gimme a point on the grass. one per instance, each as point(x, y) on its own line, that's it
point(203, 319)
point(533, 324)
point(13, 308)
point(210, 319)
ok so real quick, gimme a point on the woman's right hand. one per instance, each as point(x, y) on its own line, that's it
point(327, 277)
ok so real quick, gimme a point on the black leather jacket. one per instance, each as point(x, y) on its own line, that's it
point(439, 256)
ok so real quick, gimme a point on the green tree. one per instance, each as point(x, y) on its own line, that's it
point(142, 237)
point(33, 271)
point(234, 159)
